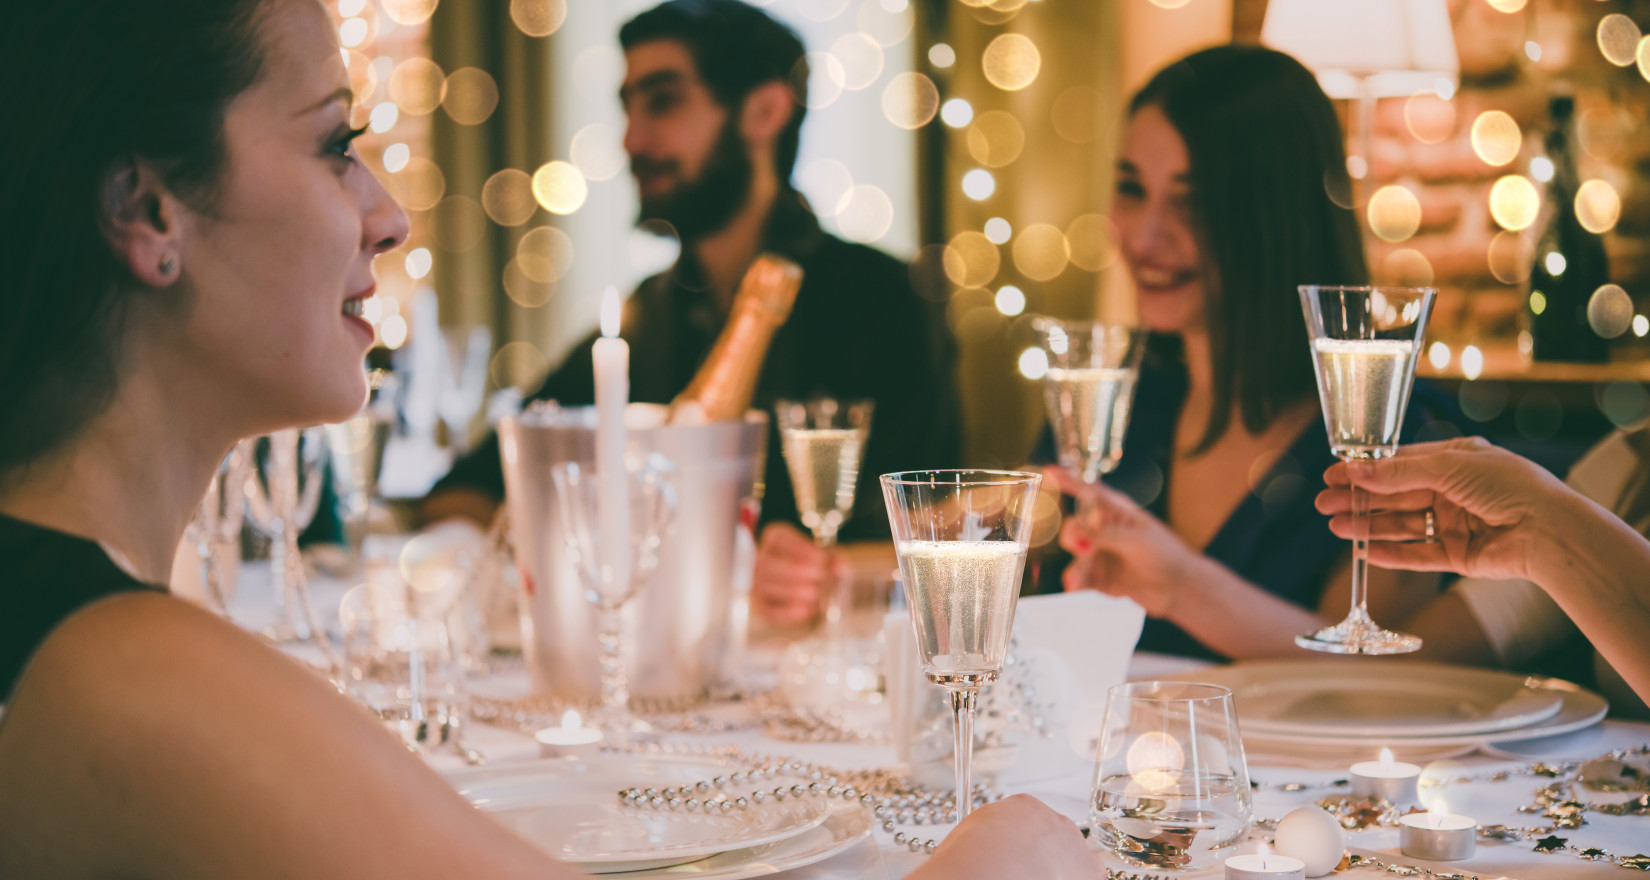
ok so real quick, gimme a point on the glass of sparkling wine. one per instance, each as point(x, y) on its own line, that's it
point(1364, 344)
point(823, 441)
point(1171, 785)
point(961, 537)
point(1088, 390)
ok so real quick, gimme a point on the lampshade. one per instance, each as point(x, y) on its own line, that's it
point(1396, 47)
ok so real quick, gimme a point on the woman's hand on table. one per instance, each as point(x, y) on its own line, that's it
point(1120, 548)
point(1018, 836)
point(1486, 505)
point(788, 585)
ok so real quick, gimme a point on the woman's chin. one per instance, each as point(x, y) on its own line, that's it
point(1168, 311)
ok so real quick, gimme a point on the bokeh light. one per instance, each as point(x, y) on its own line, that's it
point(1641, 325)
point(867, 214)
point(1532, 51)
point(1507, 6)
point(1541, 168)
point(383, 117)
point(1438, 355)
point(517, 364)
point(825, 183)
point(347, 8)
point(538, 18)
point(396, 156)
point(1010, 300)
point(408, 11)
point(1625, 404)
point(1078, 115)
point(821, 10)
point(1033, 363)
point(559, 187)
point(458, 223)
point(971, 260)
point(1394, 213)
point(1408, 267)
point(1430, 119)
point(363, 77)
point(545, 254)
point(352, 32)
point(597, 150)
point(1618, 39)
point(941, 55)
point(1642, 56)
point(523, 290)
point(957, 112)
point(419, 261)
point(1610, 311)
point(1597, 206)
point(1170, 4)
point(883, 22)
point(910, 100)
point(1011, 62)
point(996, 139)
point(1509, 258)
point(978, 184)
point(507, 197)
point(1496, 138)
point(1514, 202)
point(417, 85)
point(1040, 252)
point(471, 97)
point(392, 331)
point(1472, 362)
point(861, 60)
point(998, 230)
point(418, 186)
point(1092, 240)
point(1538, 302)
point(1555, 263)
point(826, 77)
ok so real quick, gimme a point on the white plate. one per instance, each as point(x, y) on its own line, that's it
point(845, 826)
point(1381, 699)
point(570, 809)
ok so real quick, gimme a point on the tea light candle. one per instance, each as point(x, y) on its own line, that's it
point(1264, 865)
point(1393, 781)
point(1437, 836)
point(571, 740)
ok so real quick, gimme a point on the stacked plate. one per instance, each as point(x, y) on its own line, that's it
point(1401, 704)
point(570, 809)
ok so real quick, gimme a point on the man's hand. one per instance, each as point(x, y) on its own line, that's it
point(791, 572)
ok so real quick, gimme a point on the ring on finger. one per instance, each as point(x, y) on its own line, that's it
point(1431, 527)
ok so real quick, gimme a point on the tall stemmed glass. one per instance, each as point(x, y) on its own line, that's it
point(823, 441)
point(1089, 390)
point(356, 447)
point(652, 511)
point(281, 506)
point(216, 529)
point(1364, 344)
point(961, 538)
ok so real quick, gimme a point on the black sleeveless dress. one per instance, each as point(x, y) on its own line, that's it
point(46, 576)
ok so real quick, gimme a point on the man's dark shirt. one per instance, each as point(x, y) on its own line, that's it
point(857, 331)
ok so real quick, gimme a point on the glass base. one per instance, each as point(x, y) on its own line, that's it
point(1358, 634)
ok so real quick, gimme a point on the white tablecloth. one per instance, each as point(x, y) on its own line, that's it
point(1488, 802)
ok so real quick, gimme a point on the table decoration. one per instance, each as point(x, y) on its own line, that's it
point(1437, 835)
point(1264, 865)
point(1312, 835)
point(569, 739)
point(1393, 781)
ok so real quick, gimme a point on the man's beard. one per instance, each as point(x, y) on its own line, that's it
point(699, 207)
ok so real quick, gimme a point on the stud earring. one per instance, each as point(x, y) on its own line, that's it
point(166, 264)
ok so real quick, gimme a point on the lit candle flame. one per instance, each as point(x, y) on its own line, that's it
point(570, 719)
point(1386, 759)
point(1436, 813)
point(610, 312)
point(1265, 852)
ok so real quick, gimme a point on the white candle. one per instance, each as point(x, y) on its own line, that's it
point(1437, 835)
point(1393, 781)
point(611, 356)
point(1264, 865)
point(570, 740)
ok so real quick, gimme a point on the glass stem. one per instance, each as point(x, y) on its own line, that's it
point(1360, 552)
point(615, 682)
point(962, 706)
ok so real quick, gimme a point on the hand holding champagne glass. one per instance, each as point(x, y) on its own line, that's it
point(823, 441)
point(1089, 390)
point(961, 538)
point(1364, 344)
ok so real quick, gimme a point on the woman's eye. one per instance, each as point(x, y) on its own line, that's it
point(1130, 189)
point(340, 145)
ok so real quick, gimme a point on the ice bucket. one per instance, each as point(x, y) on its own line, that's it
point(688, 617)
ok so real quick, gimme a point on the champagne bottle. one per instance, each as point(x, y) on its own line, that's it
point(726, 382)
point(1570, 263)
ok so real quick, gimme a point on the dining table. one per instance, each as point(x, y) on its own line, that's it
point(1495, 782)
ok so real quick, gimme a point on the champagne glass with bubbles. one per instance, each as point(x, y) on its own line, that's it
point(1364, 344)
point(1089, 390)
point(823, 441)
point(961, 538)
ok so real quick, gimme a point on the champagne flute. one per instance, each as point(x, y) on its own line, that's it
point(356, 447)
point(961, 538)
point(1364, 344)
point(652, 510)
point(281, 505)
point(823, 441)
point(1089, 390)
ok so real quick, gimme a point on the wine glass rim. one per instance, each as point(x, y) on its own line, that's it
point(1382, 288)
point(927, 477)
point(1132, 690)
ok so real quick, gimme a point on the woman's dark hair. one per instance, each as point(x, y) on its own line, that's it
point(736, 47)
point(1270, 194)
point(87, 88)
